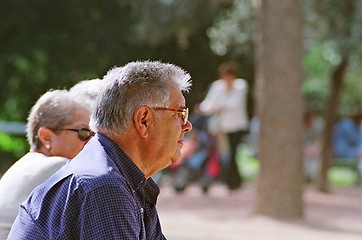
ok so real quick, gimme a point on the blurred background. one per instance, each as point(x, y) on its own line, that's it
point(48, 44)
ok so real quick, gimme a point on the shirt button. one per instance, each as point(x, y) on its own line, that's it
point(141, 210)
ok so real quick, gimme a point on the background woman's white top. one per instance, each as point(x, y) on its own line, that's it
point(227, 109)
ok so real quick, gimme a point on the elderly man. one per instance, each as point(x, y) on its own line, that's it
point(106, 191)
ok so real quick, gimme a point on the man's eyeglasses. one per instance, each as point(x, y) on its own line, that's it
point(84, 134)
point(184, 112)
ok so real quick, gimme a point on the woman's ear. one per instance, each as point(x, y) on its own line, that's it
point(45, 136)
point(141, 120)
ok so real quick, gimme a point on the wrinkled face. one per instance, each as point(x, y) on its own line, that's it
point(168, 136)
point(67, 143)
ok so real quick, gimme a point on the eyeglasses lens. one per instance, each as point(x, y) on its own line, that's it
point(184, 112)
point(84, 134)
point(185, 115)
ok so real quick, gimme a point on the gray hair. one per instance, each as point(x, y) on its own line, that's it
point(87, 91)
point(54, 109)
point(132, 86)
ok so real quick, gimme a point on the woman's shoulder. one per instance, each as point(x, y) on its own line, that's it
point(241, 82)
point(218, 83)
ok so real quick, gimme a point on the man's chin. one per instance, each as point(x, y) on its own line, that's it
point(175, 159)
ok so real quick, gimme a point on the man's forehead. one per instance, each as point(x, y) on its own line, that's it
point(177, 98)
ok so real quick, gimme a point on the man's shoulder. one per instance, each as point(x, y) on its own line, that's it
point(79, 177)
point(92, 167)
point(97, 176)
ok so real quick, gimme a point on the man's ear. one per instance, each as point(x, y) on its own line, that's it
point(45, 135)
point(141, 120)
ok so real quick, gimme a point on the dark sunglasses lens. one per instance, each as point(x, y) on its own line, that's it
point(84, 134)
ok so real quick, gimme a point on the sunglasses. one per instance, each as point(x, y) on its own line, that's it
point(84, 134)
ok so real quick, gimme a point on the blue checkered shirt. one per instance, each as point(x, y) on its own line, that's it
point(100, 194)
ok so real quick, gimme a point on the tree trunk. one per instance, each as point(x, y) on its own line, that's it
point(280, 103)
point(337, 77)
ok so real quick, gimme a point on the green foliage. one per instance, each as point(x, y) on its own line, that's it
point(42, 46)
point(10, 143)
point(247, 162)
point(249, 165)
point(318, 62)
point(11, 149)
point(28, 74)
point(351, 94)
point(179, 20)
point(54, 44)
point(315, 85)
point(332, 31)
point(335, 21)
point(233, 29)
point(342, 176)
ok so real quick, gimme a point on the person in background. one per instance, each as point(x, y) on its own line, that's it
point(347, 137)
point(313, 130)
point(254, 127)
point(199, 159)
point(226, 103)
point(87, 91)
point(347, 141)
point(106, 191)
point(57, 129)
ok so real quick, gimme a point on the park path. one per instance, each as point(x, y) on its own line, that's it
point(221, 215)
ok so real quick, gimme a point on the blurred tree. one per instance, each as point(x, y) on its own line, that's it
point(333, 36)
point(52, 44)
point(339, 28)
point(233, 30)
point(280, 105)
point(233, 33)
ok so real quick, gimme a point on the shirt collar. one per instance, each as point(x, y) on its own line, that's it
point(134, 176)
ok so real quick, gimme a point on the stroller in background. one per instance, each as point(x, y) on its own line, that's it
point(199, 162)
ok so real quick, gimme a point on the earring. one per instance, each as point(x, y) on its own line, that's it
point(47, 146)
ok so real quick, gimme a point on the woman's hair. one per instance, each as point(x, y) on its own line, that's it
point(131, 86)
point(87, 91)
point(54, 109)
